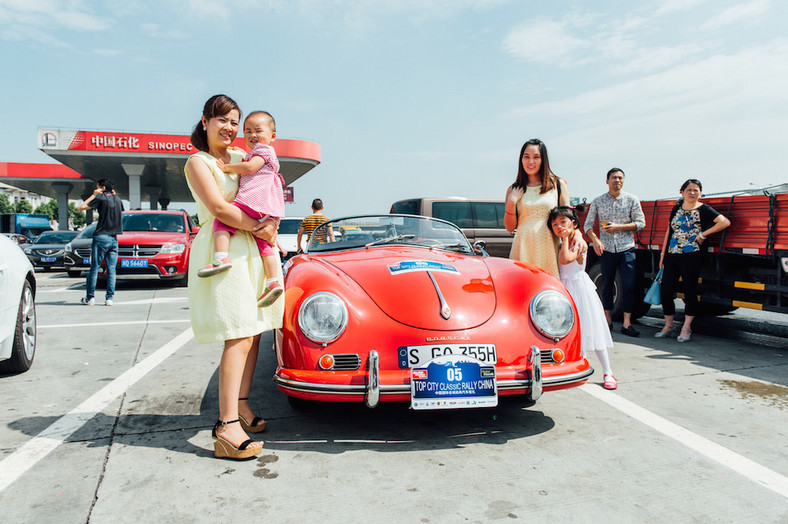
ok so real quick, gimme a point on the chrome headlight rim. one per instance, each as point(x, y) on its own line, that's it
point(303, 322)
point(548, 294)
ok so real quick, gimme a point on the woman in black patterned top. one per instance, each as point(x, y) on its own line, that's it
point(691, 222)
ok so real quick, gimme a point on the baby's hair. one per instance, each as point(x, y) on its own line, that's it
point(268, 116)
point(566, 212)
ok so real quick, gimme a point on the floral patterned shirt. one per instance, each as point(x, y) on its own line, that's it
point(623, 209)
point(685, 226)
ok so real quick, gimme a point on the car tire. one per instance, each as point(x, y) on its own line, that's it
point(24, 346)
point(596, 277)
point(74, 273)
point(183, 282)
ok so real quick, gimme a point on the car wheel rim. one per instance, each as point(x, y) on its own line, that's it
point(29, 324)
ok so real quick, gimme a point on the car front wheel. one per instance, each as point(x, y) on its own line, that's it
point(24, 347)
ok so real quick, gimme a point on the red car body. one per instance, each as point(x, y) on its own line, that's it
point(488, 302)
point(153, 243)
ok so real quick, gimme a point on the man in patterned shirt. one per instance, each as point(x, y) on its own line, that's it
point(620, 215)
point(309, 224)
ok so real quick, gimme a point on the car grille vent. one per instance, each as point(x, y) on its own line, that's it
point(139, 250)
point(346, 362)
point(83, 253)
point(546, 357)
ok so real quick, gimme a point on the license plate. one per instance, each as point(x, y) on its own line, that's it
point(453, 382)
point(414, 356)
point(48, 259)
point(86, 261)
point(133, 262)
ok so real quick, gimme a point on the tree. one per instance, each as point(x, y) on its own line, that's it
point(49, 209)
point(76, 216)
point(23, 206)
point(5, 205)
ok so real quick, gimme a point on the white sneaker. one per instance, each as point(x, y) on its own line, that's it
point(88, 301)
point(108, 302)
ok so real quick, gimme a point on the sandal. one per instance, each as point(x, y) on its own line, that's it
point(270, 295)
point(215, 267)
point(222, 448)
point(610, 382)
point(253, 427)
point(687, 338)
point(672, 332)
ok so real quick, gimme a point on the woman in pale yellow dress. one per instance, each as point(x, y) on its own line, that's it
point(535, 192)
point(224, 308)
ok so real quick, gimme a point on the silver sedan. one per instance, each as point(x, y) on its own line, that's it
point(17, 309)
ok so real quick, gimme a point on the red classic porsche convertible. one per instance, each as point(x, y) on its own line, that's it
point(404, 308)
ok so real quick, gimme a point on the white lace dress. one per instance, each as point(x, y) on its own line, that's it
point(594, 332)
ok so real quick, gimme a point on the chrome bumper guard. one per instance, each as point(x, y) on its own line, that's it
point(373, 389)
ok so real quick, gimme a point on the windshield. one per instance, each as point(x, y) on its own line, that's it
point(289, 226)
point(57, 237)
point(87, 232)
point(367, 232)
point(162, 222)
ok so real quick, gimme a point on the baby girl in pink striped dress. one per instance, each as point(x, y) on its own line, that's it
point(260, 195)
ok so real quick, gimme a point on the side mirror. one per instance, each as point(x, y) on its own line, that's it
point(479, 246)
point(195, 230)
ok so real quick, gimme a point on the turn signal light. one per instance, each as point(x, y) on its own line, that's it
point(326, 362)
point(558, 355)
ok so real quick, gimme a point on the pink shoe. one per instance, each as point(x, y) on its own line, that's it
point(215, 267)
point(270, 295)
point(610, 382)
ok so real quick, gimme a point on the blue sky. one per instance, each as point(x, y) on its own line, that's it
point(423, 97)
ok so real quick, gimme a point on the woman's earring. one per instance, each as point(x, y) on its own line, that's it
point(204, 128)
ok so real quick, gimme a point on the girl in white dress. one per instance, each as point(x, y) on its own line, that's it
point(594, 331)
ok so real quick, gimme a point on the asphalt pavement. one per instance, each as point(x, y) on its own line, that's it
point(112, 424)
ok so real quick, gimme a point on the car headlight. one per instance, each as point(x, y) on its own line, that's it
point(173, 248)
point(552, 314)
point(322, 317)
point(68, 248)
point(27, 250)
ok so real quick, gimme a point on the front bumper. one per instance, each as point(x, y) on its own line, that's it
point(373, 389)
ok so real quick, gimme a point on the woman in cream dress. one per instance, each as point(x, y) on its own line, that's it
point(224, 308)
point(535, 192)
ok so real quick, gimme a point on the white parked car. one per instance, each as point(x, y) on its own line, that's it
point(17, 309)
point(288, 234)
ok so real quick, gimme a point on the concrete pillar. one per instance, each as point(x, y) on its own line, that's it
point(153, 193)
point(62, 189)
point(88, 211)
point(134, 172)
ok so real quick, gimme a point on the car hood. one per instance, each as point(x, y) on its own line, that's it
point(398, 281)
point(150, 237)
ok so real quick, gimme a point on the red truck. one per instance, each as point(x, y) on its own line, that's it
point(745, 265)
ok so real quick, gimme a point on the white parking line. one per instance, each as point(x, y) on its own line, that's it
point(17, 463)
point(51, 326)
point(744, 466)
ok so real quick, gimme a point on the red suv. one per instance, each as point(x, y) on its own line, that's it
point(153, 243)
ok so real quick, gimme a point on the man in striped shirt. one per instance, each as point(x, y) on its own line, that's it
point(309, 224)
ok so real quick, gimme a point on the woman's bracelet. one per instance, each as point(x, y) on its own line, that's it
point(702, 236)
point(510, 212)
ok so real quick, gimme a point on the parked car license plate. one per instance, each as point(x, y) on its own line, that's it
point(48, 259)
point(86, 261)
point(414, 356)
point(134, 262)
point(452, 382)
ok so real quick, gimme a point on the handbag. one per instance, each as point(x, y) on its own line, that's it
point(653, 295)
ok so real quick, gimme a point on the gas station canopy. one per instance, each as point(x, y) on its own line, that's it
point(147, 165)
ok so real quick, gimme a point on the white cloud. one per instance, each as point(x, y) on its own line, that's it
point(721, 119)
point(737, 13)
point(51, 13)
point(545, 42)
point(672, 6)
